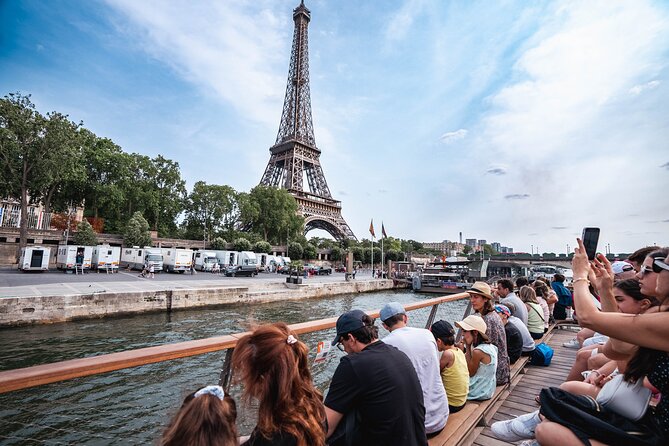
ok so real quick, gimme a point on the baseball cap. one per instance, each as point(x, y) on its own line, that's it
point(442, 328)
point(620, 267)
point(391, 309)
point(348, 322)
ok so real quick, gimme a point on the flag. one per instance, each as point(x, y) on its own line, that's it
point(371, 228)
point(383, 231)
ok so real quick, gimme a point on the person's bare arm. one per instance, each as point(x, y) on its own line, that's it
point(473, 360)
point(446, 360)
point(649, 330)
point(333, 418)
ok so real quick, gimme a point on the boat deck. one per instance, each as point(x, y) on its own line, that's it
point(528, 385)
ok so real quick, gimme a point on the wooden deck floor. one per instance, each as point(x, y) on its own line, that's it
point(521, 398)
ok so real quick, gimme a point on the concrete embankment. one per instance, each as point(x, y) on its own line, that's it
point(16, 311)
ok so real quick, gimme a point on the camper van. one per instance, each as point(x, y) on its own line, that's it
point(205, 260)
point(34, 258)
point(247, 265)
point(136, 257)
point(106, 257)
point(263, 261)
point(227, 258)
point(70, 256)
point(177, 259)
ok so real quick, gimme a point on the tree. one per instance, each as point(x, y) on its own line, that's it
point(262, 247)
point(85, 235)
point(295, 250)
point(392, 254)
point(167, 195)
point(466, 249)
point(209, 205)
point(137, 231)
point(309, 252)
point(272, 213)
point(218, 243)
point(336, 253)
point(241, 244)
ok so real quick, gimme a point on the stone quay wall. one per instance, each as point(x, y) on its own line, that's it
point(15, 311)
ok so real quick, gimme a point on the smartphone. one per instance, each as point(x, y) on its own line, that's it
point(590, 238)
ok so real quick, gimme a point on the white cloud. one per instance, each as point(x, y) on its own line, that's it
point(638, 89)
point(450, 137)
point(237, 50)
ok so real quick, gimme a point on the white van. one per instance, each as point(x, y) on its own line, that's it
point(71, 255)
point(106, 257)
point(205, 260)
point(227, 258)
point(136, 258)
point(34, 258)
point(247, 265)
point(177, 259)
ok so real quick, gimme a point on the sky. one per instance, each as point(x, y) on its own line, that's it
point(511, 121)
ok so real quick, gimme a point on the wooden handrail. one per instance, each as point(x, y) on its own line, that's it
point(24, 378)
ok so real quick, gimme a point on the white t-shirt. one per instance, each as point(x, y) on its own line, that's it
point(528, 342)
point(421, 348)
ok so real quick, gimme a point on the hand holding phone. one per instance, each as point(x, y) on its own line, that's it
point(590, 238)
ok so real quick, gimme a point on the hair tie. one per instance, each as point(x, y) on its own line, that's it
point(217, 391)
point(291, 340)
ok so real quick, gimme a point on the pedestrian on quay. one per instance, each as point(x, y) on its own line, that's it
point(152, 270)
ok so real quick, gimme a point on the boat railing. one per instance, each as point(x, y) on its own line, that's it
point(422, 313)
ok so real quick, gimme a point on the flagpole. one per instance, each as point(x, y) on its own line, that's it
point(382, 256)
point(372, 256)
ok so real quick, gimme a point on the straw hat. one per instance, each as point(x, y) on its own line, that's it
point(481, 288)
point(474, 323)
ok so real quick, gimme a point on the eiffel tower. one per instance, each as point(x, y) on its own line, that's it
point(294, 155)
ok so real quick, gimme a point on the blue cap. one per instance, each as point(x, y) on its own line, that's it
point(348, 322)
point(391, 309)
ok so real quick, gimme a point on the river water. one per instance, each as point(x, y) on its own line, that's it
point(132, 406)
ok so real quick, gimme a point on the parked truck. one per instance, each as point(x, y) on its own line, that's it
point(227, 258)
point(247, 265)
point(106, 257)
point(71, 256)
point(136, 258)
point(177, 259)
point(34, 258)
point(205, 260)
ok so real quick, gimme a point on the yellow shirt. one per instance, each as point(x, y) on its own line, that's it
point(456, 379)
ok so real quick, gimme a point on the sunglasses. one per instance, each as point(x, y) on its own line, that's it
point(655, 267)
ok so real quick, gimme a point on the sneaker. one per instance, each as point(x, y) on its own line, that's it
point(520, 428)
point(529, 443)
point(572, 344)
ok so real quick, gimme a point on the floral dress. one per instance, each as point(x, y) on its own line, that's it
point(497, 337)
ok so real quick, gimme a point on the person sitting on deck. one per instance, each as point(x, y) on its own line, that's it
point(453, 365)
point(481, 300)
point(528, 342)
point(514, 340)
point(376, 384)
point(568, 419)
point(481, 358)
point(421, 348)
point(535, 315)
point(506, 294)
point(543, 297)
point(273, 366)
point(206, 417)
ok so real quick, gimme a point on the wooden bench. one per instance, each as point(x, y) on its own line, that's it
point(461, 426)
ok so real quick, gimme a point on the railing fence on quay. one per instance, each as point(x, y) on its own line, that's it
point(421, 314)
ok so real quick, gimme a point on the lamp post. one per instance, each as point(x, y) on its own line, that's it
point(532, 249)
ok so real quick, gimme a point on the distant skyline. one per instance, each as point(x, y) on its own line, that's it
point(518, 122)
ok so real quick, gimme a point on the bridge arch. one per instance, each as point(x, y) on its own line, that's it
point(326, 224)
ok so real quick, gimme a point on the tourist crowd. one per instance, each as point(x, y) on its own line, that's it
point(401, 390)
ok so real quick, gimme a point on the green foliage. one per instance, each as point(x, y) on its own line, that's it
point(85, 235)
point(211, 208)
point(218, 243)
point(272, 213)
point(295, 250)
point(358, 253)
point(241, 244)
point(466, 249)
point(309, 252)
point(137, 231)
point(392, 254)
point(262, 247)
point(336, 253)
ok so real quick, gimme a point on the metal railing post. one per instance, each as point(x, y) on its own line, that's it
point(225, 379)
point(432, 315)
point(468, 311)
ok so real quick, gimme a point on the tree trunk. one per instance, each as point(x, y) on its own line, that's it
point(23, 225)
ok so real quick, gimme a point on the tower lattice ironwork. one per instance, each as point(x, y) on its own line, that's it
point(294, 156)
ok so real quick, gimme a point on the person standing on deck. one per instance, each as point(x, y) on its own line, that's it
point(481, 300)
point(421, 348)
point(376, 384)
point(506, 294)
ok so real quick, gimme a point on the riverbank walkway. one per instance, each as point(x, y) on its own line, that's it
point(472, 424)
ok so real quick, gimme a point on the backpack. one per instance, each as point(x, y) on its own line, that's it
point(542, 355)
